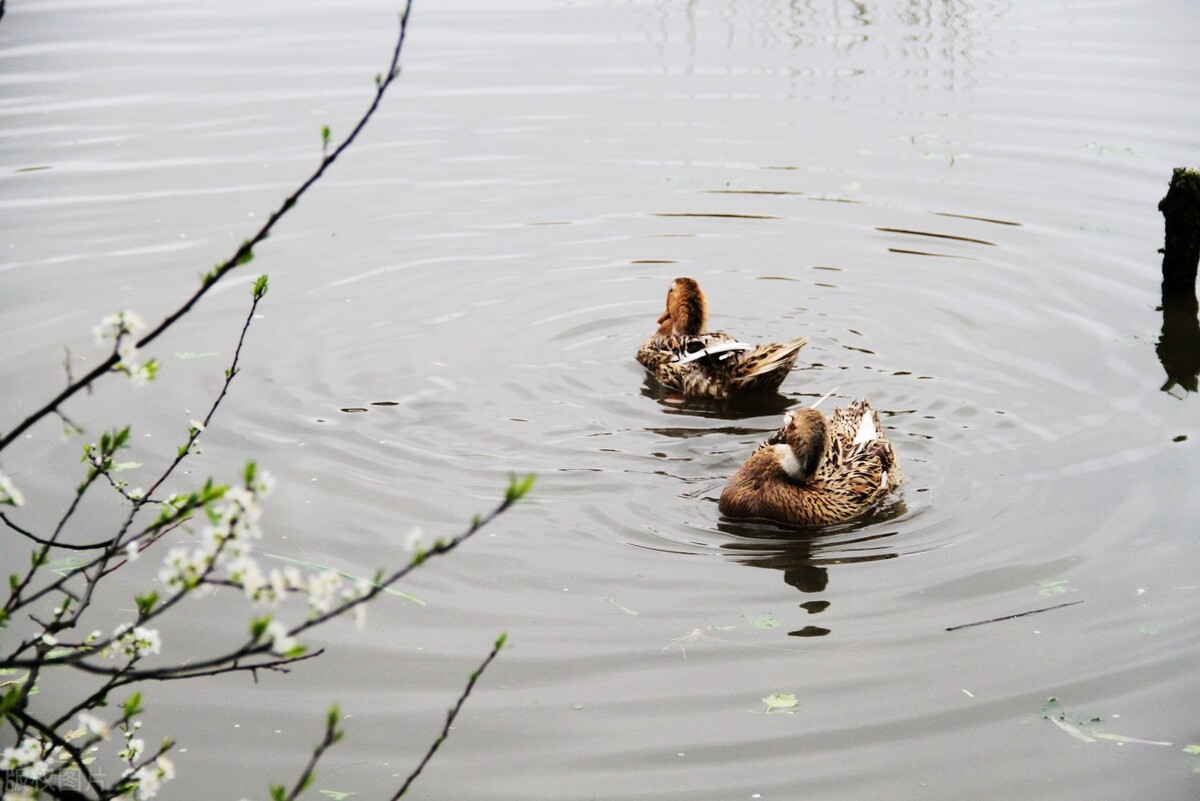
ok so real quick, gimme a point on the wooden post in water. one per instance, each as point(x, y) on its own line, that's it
point(1181, 210)
point(1179, 346)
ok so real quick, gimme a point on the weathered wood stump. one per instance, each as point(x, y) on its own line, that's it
point(1181, 213)
point(1179, 346)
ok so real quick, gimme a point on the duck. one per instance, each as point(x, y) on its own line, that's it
point(816, 470)
point(685, 356)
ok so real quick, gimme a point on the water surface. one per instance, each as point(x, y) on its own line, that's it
point(955, 202)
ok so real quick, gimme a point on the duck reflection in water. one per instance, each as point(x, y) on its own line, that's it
point(761, 404)
point(805, 555)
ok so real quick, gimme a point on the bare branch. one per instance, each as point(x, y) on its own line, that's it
point(450, 716)
point(242, 255)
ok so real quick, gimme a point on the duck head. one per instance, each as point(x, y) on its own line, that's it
point(801, 443)
point(687, 310)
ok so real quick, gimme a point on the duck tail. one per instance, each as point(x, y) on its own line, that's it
point(868, 423)
point(768, 364)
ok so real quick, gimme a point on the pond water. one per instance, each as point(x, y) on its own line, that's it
point(954, 201)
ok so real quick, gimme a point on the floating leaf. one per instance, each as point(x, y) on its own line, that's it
point(626, 610)
point(1085, 730)
point(336, 795)
point(782, 702)
point(1191, 749)
point(190, 354)
point(1121, 738)
point(1054, 587)
point(117, 467)
point(766, 621)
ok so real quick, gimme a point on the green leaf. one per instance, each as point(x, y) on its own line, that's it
point(325, 136)
point(332, 717)
point(146, 603)
point(518, 487)
point(64, 566)
point(1191, 749)
point(245, 254)
point(250, 472)
point(10, 700)
point(260, 287)
point(258, 626)
point(132, 705)
point(278, 792)
point(782, 702)
point(503, 638)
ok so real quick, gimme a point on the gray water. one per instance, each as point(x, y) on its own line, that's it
point(954, 201)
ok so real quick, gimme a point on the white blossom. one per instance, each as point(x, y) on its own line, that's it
point(133, 551)
point(150, 778)
point(9, 494)
point(182, 568)
point(264, 484)
point(323, 592)
point(29, 758)
point(134, 746)
point(93, 724)
point(359, 589)
point(415, 541)
point(281, 641)
point(26, 753)
point(118, 325)
point(136, 641)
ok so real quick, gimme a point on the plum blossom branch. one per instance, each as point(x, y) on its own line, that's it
point(242, 255)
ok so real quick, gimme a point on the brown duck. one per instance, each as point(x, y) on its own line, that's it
point(683, 355)
point(815, 470)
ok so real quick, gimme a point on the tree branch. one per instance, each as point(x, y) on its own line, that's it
point(450, 716)
point(242, 255)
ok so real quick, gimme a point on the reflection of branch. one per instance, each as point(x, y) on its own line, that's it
point(242, 255)
point(450, 716)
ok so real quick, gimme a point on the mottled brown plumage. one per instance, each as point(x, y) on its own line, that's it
point(815, 470)
point(683, 355)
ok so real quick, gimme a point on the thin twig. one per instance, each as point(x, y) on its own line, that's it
point(450, 716)
point(1010, 617)
point(242, 255)
point(332, 735)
